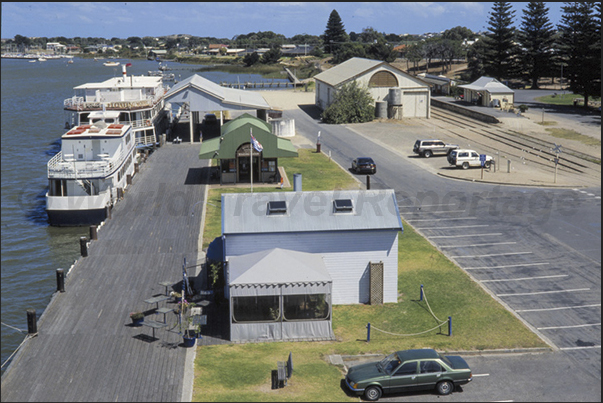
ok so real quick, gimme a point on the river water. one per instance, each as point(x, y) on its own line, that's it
point(32, 124)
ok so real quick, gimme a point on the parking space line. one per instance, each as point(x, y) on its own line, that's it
point(478, 244)
point(524, 278)
point(541, 292)
point(496, 254)
point(430, 205)
point(558, 308)
point(465, 236)
point(444, 219)
point(506, 266)
point(457, 227)
point(579, 348)
point(474, 375)
point(568, 327)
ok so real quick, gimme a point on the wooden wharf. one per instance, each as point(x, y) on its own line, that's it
point(293, 82)
point(86, 348)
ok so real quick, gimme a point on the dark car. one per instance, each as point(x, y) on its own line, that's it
point(364, 164)
point(409, 370)
point(210, 119)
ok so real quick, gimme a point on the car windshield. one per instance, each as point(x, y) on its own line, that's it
point(389, 363)
point(365, 161)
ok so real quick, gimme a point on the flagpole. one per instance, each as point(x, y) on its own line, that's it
point(251, 157)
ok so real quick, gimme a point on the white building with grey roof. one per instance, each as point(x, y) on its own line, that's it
point(354, 232)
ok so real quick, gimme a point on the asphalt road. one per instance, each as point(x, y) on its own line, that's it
point(537, 251)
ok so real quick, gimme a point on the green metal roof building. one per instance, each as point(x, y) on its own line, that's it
point(233, 148)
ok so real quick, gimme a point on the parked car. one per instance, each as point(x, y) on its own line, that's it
point(427, 148)
point(364, 164)
point(210, 119)
point(468, 158)
point(408, 370)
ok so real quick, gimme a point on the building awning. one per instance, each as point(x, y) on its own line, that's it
point(209, 149)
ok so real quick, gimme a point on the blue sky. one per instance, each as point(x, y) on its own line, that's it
point(225, 20)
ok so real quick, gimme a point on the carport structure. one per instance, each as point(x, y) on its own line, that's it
point(201, 95)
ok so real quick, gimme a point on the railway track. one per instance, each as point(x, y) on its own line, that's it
point(525, 148)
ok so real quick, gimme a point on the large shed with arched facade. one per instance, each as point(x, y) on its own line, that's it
point(411, 95)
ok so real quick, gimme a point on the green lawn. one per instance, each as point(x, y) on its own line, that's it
point(241, 372)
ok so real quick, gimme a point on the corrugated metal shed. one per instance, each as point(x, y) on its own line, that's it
point(310, 211)
point(347, 70)
point(205, 95)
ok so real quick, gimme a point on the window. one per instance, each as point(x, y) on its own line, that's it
point(256, 309)
point(409, 368)
point(306, 307)
point(343, 205)
point(383, 79)
point(277, 207)
point(429, 367)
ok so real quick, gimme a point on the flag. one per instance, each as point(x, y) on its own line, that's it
point(256, 144)
point(128, 65)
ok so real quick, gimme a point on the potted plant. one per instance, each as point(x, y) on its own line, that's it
point(188, 336)
point(137, 317)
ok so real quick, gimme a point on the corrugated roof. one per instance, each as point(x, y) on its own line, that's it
point(247, 213)
point(231, 96)
point(347, 70)
point(489, 84)
point(277, 266)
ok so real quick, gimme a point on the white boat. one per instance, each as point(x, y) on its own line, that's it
point(42, 59)
point(84, 177)
point(111, 64)
point(138, 99)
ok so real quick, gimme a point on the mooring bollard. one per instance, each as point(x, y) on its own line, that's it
point(60, 280)
point(136, 168)
point(128, 179)
point(32, 322)
point(93, 232)
point(108, 212)
point(368, 182)
point(421, 293)
point(83, 246)
point(449, 326)
point(368, 332)
point(508, 166)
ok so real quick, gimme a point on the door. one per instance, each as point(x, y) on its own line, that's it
point(430, 373)
point(404, 379)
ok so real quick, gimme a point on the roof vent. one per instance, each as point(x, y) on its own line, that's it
point(343, 205)
point(277, 207)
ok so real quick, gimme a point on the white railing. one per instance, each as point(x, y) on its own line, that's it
point(61, 169)
point(80, 104)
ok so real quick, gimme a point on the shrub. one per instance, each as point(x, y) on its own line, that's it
point(351, 104)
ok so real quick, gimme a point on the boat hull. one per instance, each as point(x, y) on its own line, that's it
point(76, 218)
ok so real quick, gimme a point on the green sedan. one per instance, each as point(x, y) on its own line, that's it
point(408, 370)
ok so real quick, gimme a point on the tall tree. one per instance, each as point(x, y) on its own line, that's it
point(580, 47)
point(335, 33)
point(536, 36)
point(501, 52)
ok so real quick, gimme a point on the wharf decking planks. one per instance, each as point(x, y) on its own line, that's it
point(86, 348)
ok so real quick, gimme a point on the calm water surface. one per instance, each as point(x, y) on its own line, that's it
point(32, 124)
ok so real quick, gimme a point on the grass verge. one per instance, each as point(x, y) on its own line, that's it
point(241, 372)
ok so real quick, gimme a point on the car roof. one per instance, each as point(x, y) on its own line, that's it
point(430, 140)
point(417, 354)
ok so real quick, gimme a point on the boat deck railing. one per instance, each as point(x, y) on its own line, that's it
point(80, 104)
point(60, 168)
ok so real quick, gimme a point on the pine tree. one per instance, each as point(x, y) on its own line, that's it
point(335, 32)
point(501, 51)
point(536, 37)
point(580, 47)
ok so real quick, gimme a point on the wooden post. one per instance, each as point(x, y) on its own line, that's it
point(32, 322)
point(128, 179)
point(108, 209)
point(136, 168)
point(93, 232)
point(60, 280)
point(368, 182)
point(83, 246)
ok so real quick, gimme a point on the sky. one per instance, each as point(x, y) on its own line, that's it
point(226, 20)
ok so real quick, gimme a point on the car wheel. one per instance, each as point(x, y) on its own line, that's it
point(444, 387)
point(372, 393)
point(465, 165)
point(487, 164)
point(427, 154)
